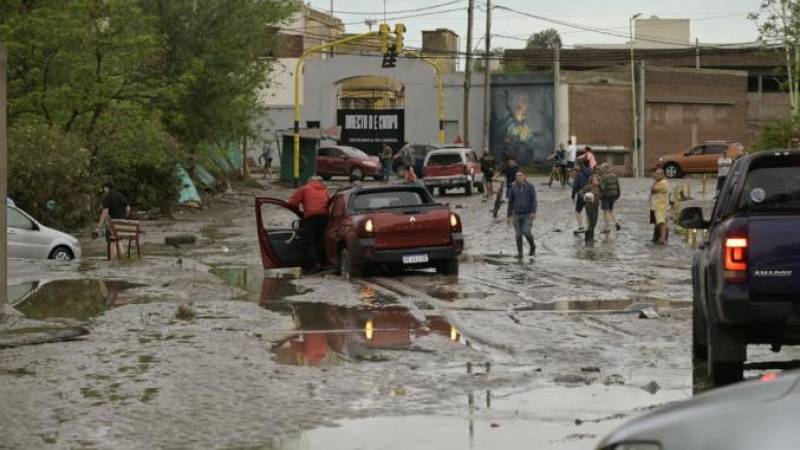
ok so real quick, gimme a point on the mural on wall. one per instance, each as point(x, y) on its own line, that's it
point(522, 118)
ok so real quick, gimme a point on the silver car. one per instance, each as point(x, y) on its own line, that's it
point(27, 238)
point(758, 414)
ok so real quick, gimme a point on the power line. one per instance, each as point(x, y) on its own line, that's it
point(401, 11)
point(411, 16)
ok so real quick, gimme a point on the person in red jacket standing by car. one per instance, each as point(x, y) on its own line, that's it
point(312, 199)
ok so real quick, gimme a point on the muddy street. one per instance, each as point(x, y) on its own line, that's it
point(197, 346)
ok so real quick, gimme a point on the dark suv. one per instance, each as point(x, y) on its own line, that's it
point(746, 275)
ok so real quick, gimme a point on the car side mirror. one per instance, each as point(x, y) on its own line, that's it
point(692, 218)
point(296, 225)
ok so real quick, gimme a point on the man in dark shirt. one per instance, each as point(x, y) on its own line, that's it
point(522, 206)
point(115, 206)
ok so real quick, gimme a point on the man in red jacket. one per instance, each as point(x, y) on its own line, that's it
point(312, 199)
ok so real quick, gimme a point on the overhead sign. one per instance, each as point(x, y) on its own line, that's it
point(369, 129)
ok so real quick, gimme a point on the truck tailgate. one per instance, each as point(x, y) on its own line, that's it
point(774, 254)
point(444, 171)
point(410, 227)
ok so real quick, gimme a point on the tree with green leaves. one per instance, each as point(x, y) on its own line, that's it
point(547, 39)
point(779, 23)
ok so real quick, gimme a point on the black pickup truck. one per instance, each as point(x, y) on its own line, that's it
point(746, 274)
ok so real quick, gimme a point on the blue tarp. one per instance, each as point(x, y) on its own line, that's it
point(188, 192)
point(204, 176)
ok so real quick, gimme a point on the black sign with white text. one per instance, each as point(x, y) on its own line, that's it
point(369, 129)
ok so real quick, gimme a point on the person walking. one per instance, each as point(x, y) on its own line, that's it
point(591, 199)
point(572, 154)
point(610, 193)
point(588, 155)
point(582, 176)
point(510, 171)
point(522, 207)
point(724, 164)
point(559, 158)
point(266, 156)
point(405, 157)
point(659, 207)
point(386, 162)
point(312, 199)
point(488, 168)
point(115, 207)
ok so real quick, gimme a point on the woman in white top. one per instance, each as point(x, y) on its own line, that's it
point(724, 164)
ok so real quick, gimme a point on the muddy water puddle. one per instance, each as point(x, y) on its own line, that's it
point(80, 299)
point(329, 334)
point(603, 305)
point(548, 417)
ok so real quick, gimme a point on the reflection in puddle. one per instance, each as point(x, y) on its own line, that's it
point(548, 417)
point(258, 287)
point(71, 299)
point(329, 334)
point(614, 305)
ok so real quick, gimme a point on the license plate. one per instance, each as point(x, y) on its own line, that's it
point(415, 259)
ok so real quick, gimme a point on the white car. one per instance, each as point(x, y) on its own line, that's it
point(27, 238)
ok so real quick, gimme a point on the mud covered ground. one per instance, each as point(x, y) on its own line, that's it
point(199, 347)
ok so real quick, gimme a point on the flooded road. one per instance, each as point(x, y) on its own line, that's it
point(199, 347)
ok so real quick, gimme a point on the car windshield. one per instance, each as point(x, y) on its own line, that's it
point(772, 185)
point(354, 152)
point(389, 199)
point(445, 159)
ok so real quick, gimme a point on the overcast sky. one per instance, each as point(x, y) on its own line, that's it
point(712, 21)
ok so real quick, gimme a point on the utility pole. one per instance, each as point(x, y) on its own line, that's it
point(468, 72)
point(556, 93)
point(3, 184)
point(487, 78)
point(636, 163)
point(696, 53)
point(642, 105)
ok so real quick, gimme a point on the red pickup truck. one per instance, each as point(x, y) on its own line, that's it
point(397, 226)
point(449, 168)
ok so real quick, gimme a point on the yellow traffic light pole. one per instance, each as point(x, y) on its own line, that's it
point(383, 33)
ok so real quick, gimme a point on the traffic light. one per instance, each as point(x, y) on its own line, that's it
point(399, 29)
point(390, 57)
point(384, 30)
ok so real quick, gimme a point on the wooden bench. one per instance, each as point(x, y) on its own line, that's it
point(124, 230)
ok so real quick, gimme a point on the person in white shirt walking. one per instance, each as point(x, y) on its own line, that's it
point(572, 153)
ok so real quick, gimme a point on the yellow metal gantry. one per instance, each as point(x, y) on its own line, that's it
point(383, 33)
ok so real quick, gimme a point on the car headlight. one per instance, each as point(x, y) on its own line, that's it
point(637, 446)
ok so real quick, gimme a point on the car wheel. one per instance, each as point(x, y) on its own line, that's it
point(325, 177)
point(400, 170)
point(347, 269)
point(725, 372)
point(448, 267)
point(358, 173)
point(62, 253)
point(442, 191)
point(673, 170)
point(699, 332)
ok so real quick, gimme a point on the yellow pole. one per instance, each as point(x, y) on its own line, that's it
point(297, 71)
point(439, 89)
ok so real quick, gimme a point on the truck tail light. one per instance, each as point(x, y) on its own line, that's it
point(735, 257)
point(369, 226)
point(455, 222)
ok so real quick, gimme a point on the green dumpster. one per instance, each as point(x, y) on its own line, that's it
point(308, 157)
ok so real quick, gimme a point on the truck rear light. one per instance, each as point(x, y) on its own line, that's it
point(369, 226)
point(455, 222)
point(735, 254)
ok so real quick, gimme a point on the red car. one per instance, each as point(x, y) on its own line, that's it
point(396, 226)
point(452, 168)
point(344, 161)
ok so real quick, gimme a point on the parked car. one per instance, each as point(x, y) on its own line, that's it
point(27, 238)
point(397, 226)
point(758, 414)
point(449, 168)
point(419, 152)
point(746, 275)
point(698, 159)
point(341, 160)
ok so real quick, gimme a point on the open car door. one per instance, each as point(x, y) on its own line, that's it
point(278, 246)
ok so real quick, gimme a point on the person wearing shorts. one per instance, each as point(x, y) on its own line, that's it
point(609, 186)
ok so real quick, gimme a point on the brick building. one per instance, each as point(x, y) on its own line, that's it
point(730, 97)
